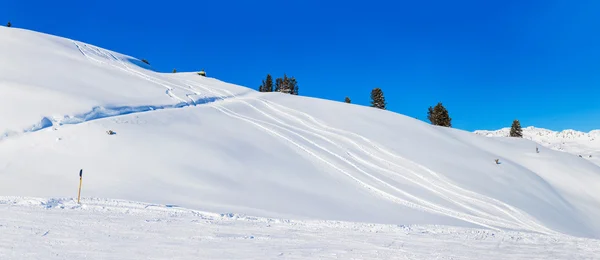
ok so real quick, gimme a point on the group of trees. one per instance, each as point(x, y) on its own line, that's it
point(287, 85)
point(437, 115)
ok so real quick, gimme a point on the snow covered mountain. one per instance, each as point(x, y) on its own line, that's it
point(199, 144)
point(576, 142)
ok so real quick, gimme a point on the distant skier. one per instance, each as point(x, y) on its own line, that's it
point(537, 150)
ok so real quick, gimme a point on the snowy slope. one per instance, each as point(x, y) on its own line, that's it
point(56, 80)
point(207, 145)
point(113, 229)
point(576, 142)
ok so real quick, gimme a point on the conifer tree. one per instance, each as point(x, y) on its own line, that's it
point(377, 98)
point(515, 129)
point(292, 86)
point(174, 71)
point(439, 116)
point(278, 84)
point(287, 85)
point(282, 84)
point(9, 24)
point(268, 84)
point(347, 100)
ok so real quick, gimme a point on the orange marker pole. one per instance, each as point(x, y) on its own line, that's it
point(80, 180)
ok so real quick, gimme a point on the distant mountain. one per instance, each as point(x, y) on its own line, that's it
point(576, 142)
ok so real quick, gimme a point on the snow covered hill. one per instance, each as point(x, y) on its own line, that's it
point(203, 144)
point(576, 142)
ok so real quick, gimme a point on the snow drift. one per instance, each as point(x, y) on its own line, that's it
point(204, 144)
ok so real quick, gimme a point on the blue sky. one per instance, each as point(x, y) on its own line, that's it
point(489, 62)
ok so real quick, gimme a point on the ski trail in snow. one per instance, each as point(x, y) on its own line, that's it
point(423, 205)
point(407, 170)
point(123, 67)
point(475, 196)
point(428, 205)
point(371, 165)
point(528, 223)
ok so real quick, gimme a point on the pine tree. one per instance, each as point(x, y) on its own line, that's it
point(439, 116)
point(174, 71)
point(9, 24)
point(278, 84)
point(293, 86)
point(268, 84)
point(515, 129)
point(288, 85)
point(283, 84)
point(377, 98)
point(347, 100)
point(285, 88)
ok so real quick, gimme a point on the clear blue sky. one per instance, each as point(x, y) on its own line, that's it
point(489, 62)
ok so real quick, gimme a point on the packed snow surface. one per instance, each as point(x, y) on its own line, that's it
point(34, 228)
point(206, 145)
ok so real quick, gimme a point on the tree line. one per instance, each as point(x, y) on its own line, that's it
point(437, 115)
point(288, 85)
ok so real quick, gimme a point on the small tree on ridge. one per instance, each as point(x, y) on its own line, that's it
point(377, 98)
point(515, 129)
point(439, 116)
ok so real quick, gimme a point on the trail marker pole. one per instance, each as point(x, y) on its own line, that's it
point(80, 180)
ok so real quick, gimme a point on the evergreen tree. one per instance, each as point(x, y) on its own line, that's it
point(377, 98)
point(283, 84)
point(515, 129)
point(347, 100)
point(9, 24)
point(268, 84)
point(288, 85)
point(438, 115)
point(293, 86)
point(278, 84)
point(174, 71)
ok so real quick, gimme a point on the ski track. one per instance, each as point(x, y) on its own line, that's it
point(478, 198)
point(435, 208)
point(487, 212)
point(389, 163)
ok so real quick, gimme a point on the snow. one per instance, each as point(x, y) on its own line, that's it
point(114, 229)
point(210, 146)
point(575, 142)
